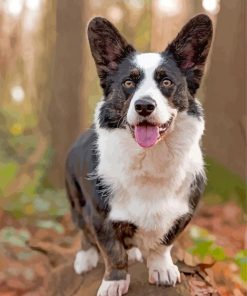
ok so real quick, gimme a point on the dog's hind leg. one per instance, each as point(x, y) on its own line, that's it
point(87, 257)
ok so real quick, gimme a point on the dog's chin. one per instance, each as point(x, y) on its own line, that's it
point(147, 133)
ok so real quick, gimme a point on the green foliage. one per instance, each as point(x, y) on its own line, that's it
point(204, 245)
point(47, 203)
point(14, 236)
point(18, 141)
point(223, 185)
point(50, 224)
point(7, 173)
point(217, 253)
point(241, 260)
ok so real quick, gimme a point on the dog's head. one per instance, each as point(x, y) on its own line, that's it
point(145, 92)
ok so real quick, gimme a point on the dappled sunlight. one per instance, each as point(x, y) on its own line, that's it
point(170, 7)
point(17, 94)
point(211, 6)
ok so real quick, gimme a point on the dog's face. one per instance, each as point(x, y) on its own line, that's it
point(144, 93)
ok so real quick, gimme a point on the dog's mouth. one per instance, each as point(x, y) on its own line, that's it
point(147, 134)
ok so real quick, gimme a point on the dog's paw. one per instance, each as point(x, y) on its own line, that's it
point(86, 260)
point(114, 288)
point(134, 254)
point(167, 275)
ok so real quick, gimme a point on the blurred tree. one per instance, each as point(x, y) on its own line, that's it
point(12, 67)
point(168, 17)
point(66, 108)
point(225, 102)
point(44, 64)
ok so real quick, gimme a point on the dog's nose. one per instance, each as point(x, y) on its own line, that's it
point(145, 106)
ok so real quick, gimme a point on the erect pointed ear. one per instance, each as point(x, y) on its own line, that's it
point(108, 47)
point(190, 49)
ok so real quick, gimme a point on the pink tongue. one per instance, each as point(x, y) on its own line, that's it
point(146, 135)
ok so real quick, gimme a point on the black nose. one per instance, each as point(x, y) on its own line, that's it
point(145, 106)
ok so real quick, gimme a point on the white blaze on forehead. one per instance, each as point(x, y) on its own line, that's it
point(148, 61)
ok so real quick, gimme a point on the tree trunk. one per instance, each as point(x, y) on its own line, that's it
point(166, 23)
point(66, 110)
point(225, 102)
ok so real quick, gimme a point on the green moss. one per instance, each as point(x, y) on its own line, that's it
point(241, 261)
point(224, 185)
point(7, 174)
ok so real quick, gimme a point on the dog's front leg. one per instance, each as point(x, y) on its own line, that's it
point(162, 270)
point(116, 279)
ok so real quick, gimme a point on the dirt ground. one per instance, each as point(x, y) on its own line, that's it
point(43, 266)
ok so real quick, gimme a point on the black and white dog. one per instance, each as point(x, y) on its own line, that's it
point(135, 178)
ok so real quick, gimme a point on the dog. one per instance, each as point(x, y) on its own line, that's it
point(134, 179)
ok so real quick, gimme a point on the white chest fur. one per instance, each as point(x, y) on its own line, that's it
point(150, 187)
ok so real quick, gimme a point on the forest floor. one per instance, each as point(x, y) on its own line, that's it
point(37, 260)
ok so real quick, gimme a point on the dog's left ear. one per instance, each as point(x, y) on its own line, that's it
point(190, 49)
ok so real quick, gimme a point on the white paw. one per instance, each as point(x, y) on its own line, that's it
point(167, 275)
point(114, 288)
point(134, 254)
point(86, 260)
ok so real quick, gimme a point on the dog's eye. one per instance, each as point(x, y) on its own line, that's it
point(129, 83)
point(166, 82)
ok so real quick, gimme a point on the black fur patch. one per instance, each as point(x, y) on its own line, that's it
point(113, 113)
point(197, 188)
point(176, 229)
point(124, 230)
point(195, 109)
point(77, 200)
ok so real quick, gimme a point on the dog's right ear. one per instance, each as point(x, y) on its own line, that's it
point(108, 47)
